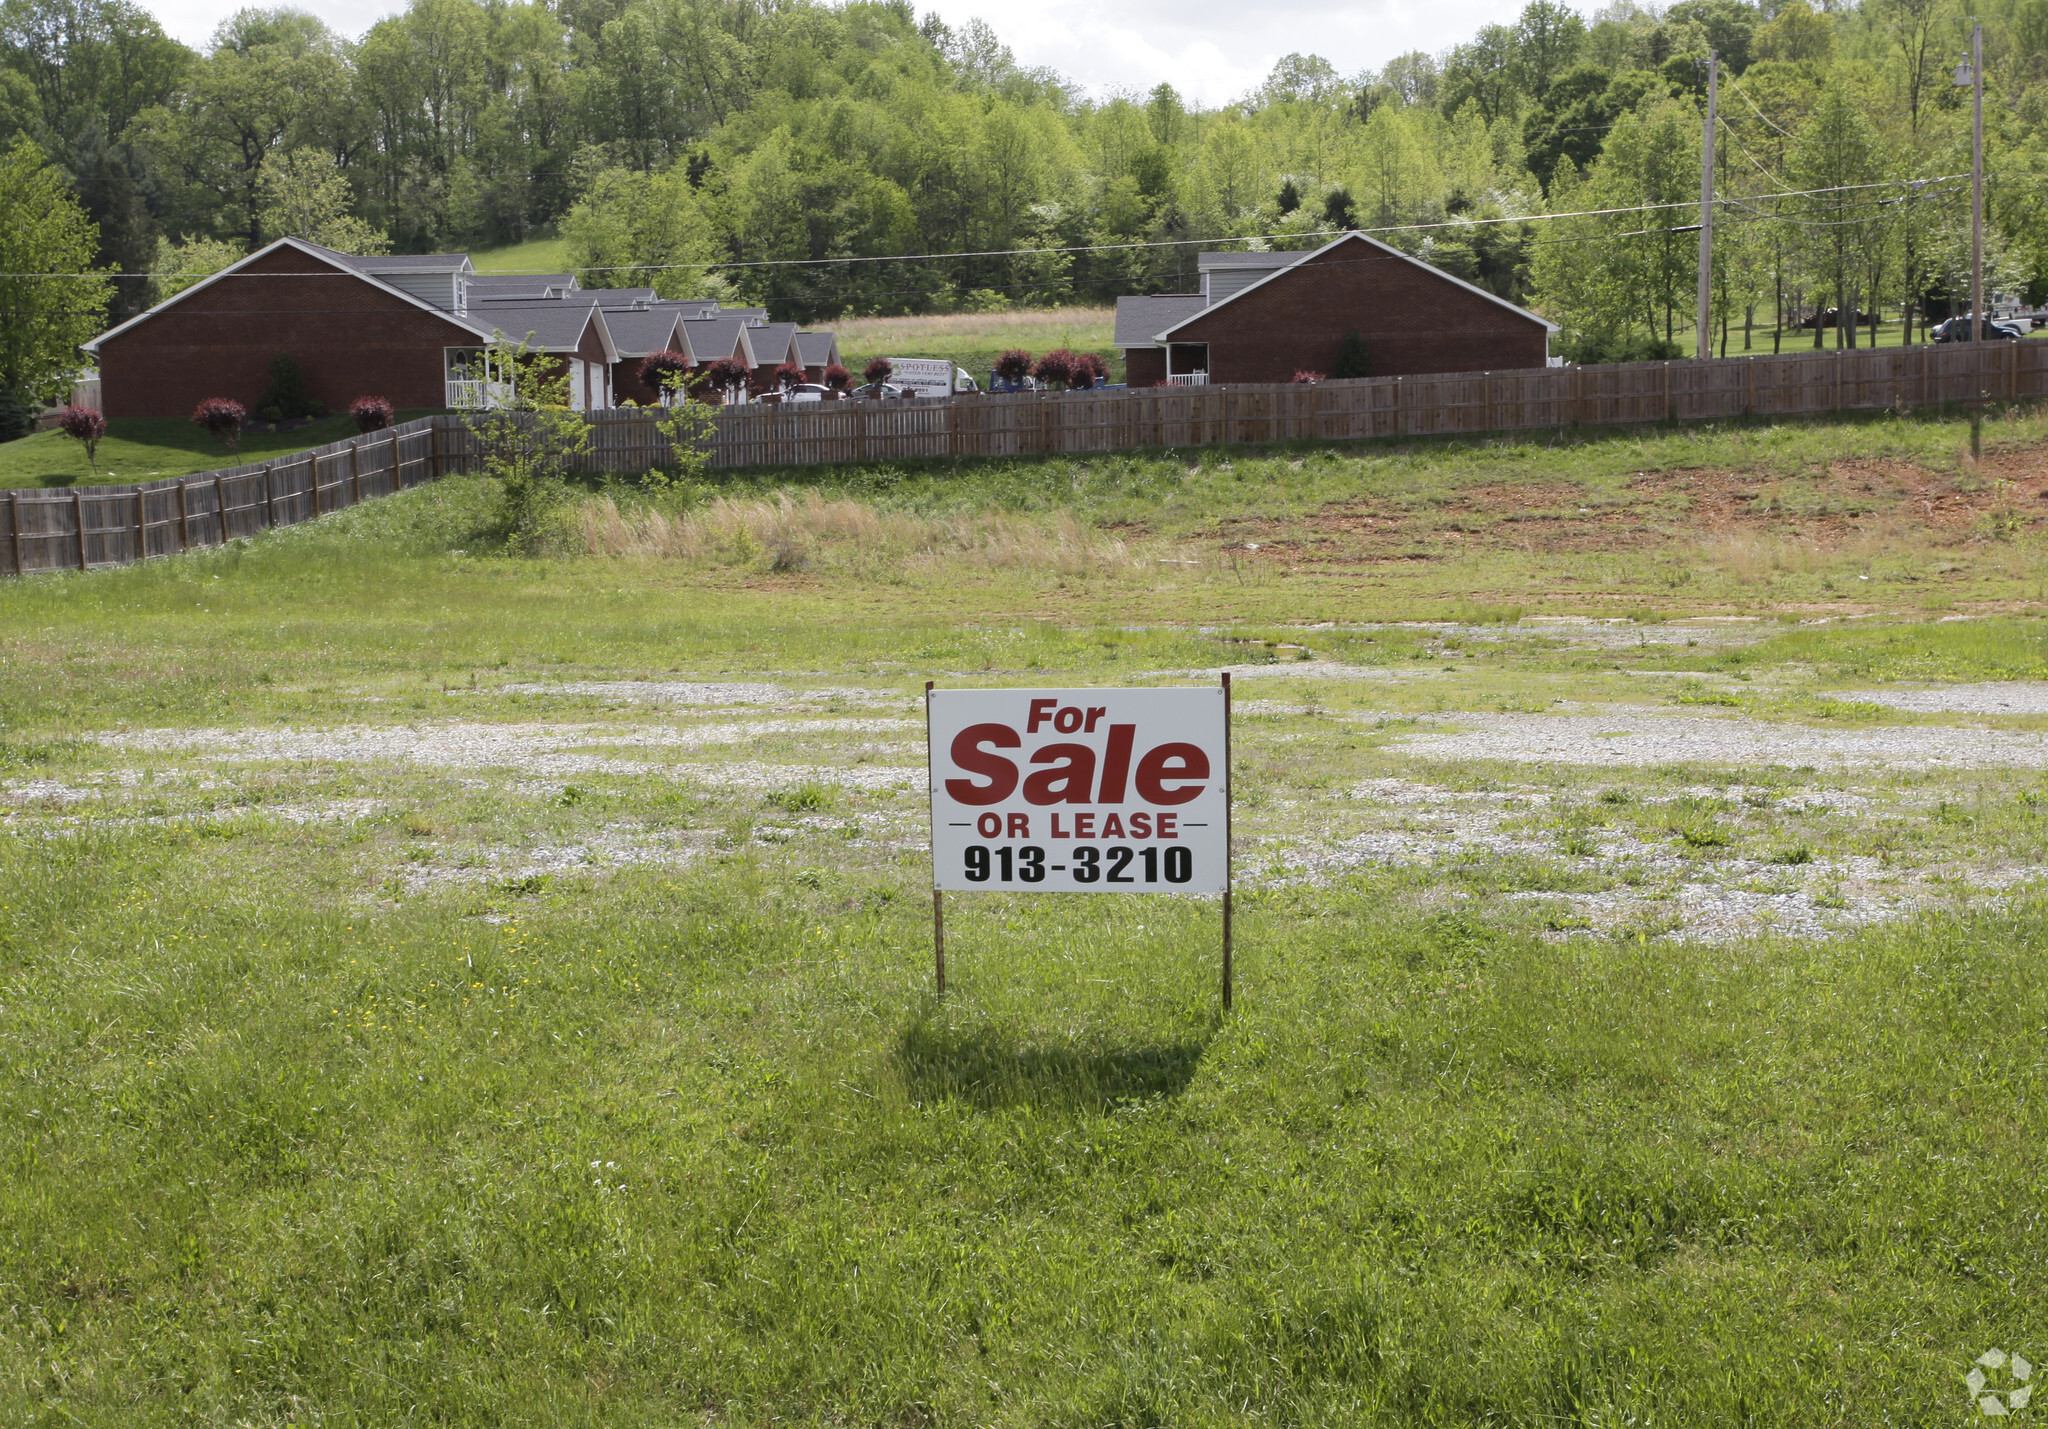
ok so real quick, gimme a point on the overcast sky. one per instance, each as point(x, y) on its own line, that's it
point(1210, 50)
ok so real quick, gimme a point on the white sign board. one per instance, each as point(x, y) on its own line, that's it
point(926, 376)
point(1080, 791)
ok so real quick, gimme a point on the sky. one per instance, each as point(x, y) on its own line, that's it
point(1212, 51)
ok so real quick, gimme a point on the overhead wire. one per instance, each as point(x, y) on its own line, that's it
point(1453, 223)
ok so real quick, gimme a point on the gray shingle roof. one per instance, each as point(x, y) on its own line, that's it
point(713, 338)
point(532, 287)
point(552, 324)
point(818, 348)
point(1139, 320)
point(771, 342)
point(636, 332)
point(401, 262)
point(1247, 260)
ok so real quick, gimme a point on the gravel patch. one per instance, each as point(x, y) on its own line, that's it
point(753, 777)
point(1665, 892)
point(694, 692)
point(533, 749)
point(2014, 698)
point(1627, 737)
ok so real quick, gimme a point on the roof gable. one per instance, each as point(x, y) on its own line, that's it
point(310, 250)
point(1373, 243)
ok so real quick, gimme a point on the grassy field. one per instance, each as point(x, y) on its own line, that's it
point(974, 339)
point(443, 987)
point(546, 254)
point(138, 449)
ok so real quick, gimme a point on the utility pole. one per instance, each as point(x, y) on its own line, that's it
point(1977, 180)
point(1971, 72)
point(1705, 320)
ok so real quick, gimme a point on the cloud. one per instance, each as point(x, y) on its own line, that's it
point(1214, 51)
point(194, 21)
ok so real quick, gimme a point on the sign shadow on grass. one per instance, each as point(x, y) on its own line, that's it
point(990, 1067)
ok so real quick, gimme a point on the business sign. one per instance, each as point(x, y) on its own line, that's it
point(1080, 791)
point(926, 376)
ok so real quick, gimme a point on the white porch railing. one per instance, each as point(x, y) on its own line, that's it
point(478, 396)
point(1187, 379)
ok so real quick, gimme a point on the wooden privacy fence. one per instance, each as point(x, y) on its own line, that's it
point(89, 527)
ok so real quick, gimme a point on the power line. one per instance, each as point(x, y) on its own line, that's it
point(1457, 223)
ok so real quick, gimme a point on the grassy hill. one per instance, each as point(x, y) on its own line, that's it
point(545, 254)
point(140, 449)
point(974, 339)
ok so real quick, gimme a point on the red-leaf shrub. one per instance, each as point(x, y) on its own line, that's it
point(370, 414)
point(1089, 371)
point(664, 370)
point(87, 425)
point(1055, 366)
point(838, 378)
point(1306, 376)
point(1013, 366)
point(727, 376)
point(222, 416)
point(878, 371)
point(786, 377)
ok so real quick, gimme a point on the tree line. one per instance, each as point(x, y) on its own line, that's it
point(690, 144)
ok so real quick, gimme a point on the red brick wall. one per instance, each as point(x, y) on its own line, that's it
point(627, 386)
point(350, 339)
point(1414, 318)
point(1146, 366)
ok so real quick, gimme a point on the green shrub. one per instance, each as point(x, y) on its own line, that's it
point(1354, 356)
point(286, 398)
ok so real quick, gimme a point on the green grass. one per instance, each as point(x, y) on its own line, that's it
point(139, 449)
point(536, 255)
point(297, 1126)
point(974, 339)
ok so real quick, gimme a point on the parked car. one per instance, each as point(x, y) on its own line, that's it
point(809, 392)
point(875, 391)
point(1958, 330)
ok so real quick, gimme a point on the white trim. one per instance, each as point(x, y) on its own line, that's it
point(311, 251)
point(1548, 326)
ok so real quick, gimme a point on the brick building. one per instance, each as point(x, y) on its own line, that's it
point(1262, 317)
point(412, 328)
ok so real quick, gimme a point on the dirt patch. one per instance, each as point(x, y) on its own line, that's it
point(1824, 510)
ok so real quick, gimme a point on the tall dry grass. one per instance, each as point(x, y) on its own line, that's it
point(787, 532)
point(867, 332)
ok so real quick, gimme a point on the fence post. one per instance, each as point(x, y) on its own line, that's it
point(355, 472)
point(78, 519)
point(436, 465)
point(2012, 370)
point(141, 525)
point(220, 508)
point(270, 495)
point(1486, 380)
point(14, 521)
point(184, 515)
point(315, 480)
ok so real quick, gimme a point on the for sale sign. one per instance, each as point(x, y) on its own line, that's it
point(1080, 791)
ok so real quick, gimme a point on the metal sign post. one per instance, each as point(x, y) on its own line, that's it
point(1079, 791)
